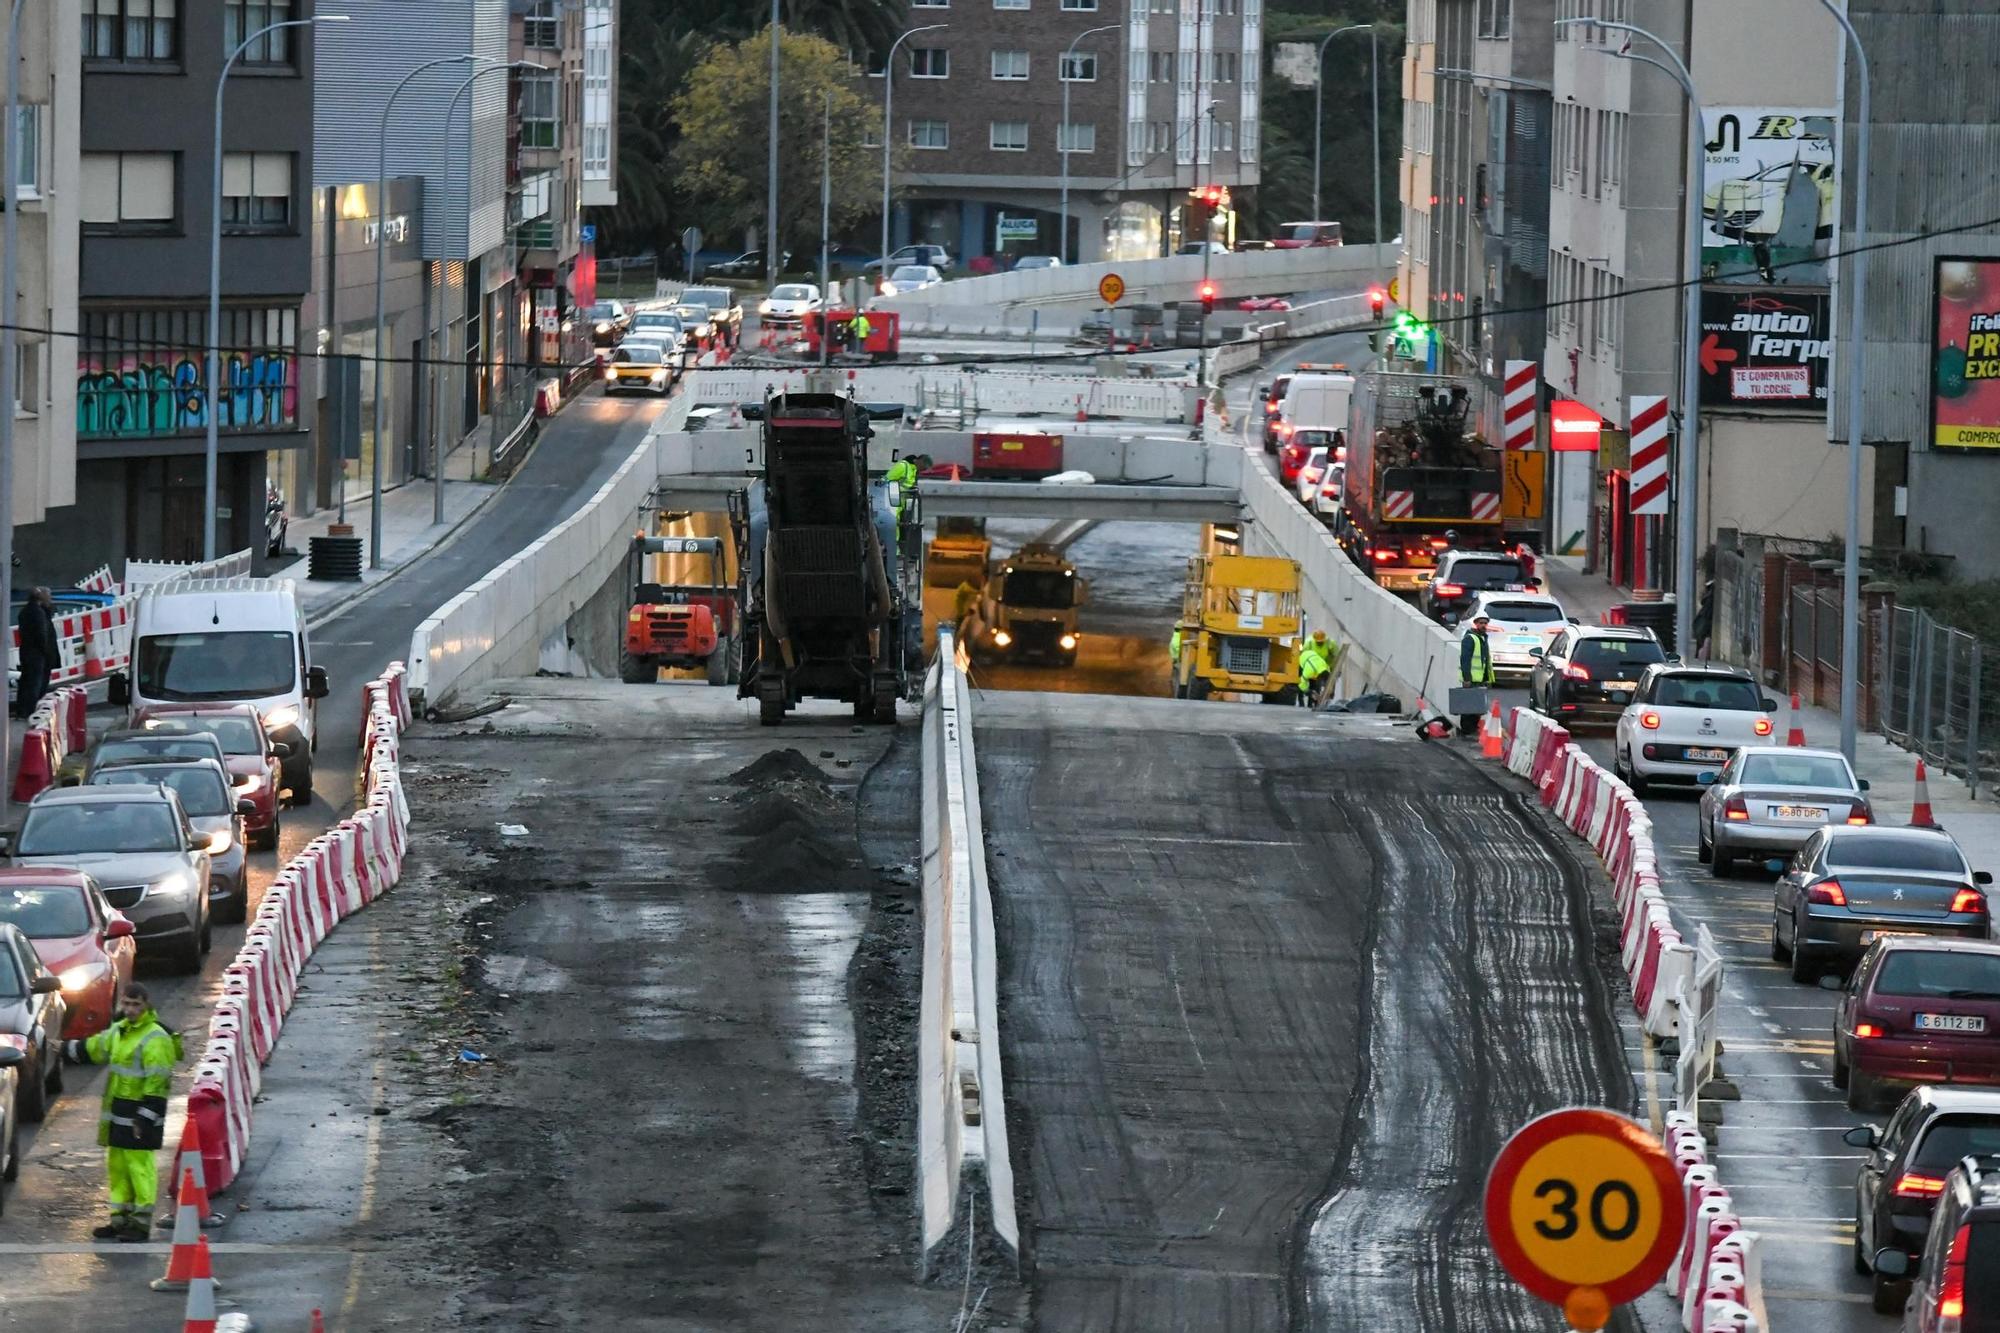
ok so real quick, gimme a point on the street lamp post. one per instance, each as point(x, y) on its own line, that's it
point(9, 253)
point(1685, 592)
point(214, 250)
point(1062, 144)
point(888, 102)
point(1853, 357)
point(1319, 100)
point(772, 263)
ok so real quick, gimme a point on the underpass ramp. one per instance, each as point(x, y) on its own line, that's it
point(1260, 966)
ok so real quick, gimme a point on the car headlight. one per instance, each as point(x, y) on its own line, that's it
point(604, 328)
point(764, 307)
point(888, 289)
point(1068, 641)
point(176, 883)
point(284, 715)
point(218, 842)
point(83, 976)
point(1002, 637)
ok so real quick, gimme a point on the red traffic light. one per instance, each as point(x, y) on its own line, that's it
point(1376, 300)
point(1207, 292)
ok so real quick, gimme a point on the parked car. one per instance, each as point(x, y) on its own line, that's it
point(1029, 263)
point(1588, 672)
point(1262, 303)
point(1848, 886)
point(1462, 575)
point(1956, 1289)
point(1687, 719)
point(78, 935)
point(935, 256)
point(608, 322)
point(215, 811)
point(788, 304)
point(1301, 235)
point(254, 762)
point(1517, 624)
point(137, 843)
point(1918, 1010)
point(1900, 1182)
point(639, 366)
point(910, 278)
point(1768, 799)
point(749, 264)
point(1202, 248)
point(32, 1015)
point(148, 745)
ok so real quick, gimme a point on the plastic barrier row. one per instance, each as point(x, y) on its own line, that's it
point(95, 641)
point(1716, 1276)
point(334, 876)
point(56, 730)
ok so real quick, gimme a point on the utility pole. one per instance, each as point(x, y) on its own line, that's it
point(9, 276)
point(1063, 145)
point(771, 261)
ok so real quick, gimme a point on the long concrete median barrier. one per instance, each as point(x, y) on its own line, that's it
point(1172, 278)
point(965, 1174)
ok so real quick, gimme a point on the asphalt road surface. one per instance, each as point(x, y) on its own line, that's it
point(1274, 988)
point(56, 1278)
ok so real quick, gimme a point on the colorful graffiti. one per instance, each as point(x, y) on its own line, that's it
point(133, 398)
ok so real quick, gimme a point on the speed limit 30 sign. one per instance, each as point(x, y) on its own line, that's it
point(1584, 1210)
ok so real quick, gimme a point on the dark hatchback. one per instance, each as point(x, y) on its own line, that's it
point(1849, 886)
point(1901, 1179)
point(1588, 672)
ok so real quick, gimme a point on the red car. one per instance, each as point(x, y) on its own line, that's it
point(1920, 1009)
point(78, 936)
point(252, 757)
point(1263, 303)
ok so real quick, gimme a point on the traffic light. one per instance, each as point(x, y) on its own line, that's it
point(1376, 299)
point(1207, 297)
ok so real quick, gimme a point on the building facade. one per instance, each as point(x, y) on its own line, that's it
point(600, 103)
point(546, 187)
point(1162, 101)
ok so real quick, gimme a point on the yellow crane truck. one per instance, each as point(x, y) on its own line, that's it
point(1239, 628)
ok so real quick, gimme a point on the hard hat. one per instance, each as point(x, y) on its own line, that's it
point(1319, 636)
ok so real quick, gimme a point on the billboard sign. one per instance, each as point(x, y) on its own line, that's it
point(1573, 427)
point(1965, 354)
point(1769, 202)
point(1765, 347)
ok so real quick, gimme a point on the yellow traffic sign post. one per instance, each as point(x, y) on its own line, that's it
point(1110, 287)
point(1583, 1209)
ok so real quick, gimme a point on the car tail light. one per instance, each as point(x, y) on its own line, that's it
point(1340, 453)
point(1439, 543)
point(1911, 1185)
point(1734, 808)
point(1763, 726)
point(1650, 721)
point(1866, 1030)
point(1576, 672)
point(1448, 590)
point(1829, 892)
point(1382, 554)
point(1859, 813)
point(1968, 900)
point(1951, 1285)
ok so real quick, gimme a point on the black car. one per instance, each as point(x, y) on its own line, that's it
point(1462, 575)
point(1588, 672)
point(1849, 884)
point(749, 264)
point(1902, 1178)
point(1956, 1289)
point(32, 1014)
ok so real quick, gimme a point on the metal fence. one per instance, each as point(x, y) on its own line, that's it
point(627, 279)
point(1935, 685)
point(1736, 636)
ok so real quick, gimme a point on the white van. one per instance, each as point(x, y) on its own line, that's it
point(238, 640)
point(1318, 402)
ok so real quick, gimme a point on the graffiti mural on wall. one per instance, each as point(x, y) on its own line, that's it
point(125, 396)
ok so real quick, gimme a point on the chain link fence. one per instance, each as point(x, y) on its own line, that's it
point(1936, 684)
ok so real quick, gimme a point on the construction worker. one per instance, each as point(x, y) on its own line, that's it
point(1312, 665)
point(858, 330)
point(142, 1053)
point(1475, 667)
point(1328, 653)
point(963, 599)
point(1174, 647)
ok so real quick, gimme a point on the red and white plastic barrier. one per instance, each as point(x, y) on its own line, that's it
point(334, 876)
point(55, 731)
point(99, 640)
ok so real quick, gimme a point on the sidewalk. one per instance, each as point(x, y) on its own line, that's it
point(407, 530)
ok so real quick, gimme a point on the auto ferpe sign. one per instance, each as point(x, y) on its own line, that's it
point(1965, 354)
point(1765, 347)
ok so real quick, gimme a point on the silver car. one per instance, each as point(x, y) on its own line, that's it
point(216, 812)
point(137, 843)
point(1768, 799)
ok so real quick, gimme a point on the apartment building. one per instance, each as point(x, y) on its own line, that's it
point(1163, 98)
point(600, 103)
point(546, 184)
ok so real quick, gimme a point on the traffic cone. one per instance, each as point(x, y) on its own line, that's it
point(93, 664)
point(1080, 415)
point(1489, 732)
point(319, 1322)
point(187, 1241)
point(1797, 735)
point(199, 1316)
point(188, 1164)
point(1920, 812)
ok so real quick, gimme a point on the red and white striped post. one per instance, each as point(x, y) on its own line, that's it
point(1517, 405)
point(1651, 465)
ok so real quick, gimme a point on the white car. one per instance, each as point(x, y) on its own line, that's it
point(789, 303)
point(1306, 485)
point(1325, 499)
point(1519, 625)
point(1688, 719)
point(660, 326)
point(911, 278)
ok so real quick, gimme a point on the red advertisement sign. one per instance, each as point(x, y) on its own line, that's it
point(1573, 427)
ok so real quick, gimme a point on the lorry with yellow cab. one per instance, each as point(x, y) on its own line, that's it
point(1029, 610)
point(1239, 628)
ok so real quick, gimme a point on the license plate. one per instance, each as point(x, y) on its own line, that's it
point(1525, 640)
point(1798, 811)
point(1951, 1023)
point(1706, 755)
point(1870, 936)
point(1619, 684)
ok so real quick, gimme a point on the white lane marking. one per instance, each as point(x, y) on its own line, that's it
point(1789, 1156)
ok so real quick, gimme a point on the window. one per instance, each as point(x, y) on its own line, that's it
point(243, 18)
point(930, 4)
point(128, 190)
point(1087, 5)
point(597, 148)
point(27, 378)
point(28, 152)
point(538, 111)
point(256, 192)
point(1010, 136)
point(1010, 4)
point(1225, 136)
point(1247, 149)
point(541, 27)
point(930, 134)
point(130, 30)
point(930, 62)
point(140, 372)
point(1079, 67)
point(1010, 64)
point(1077, 138)
point(1160, 66)
point(871, 137)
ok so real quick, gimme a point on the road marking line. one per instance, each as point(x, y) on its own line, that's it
point(1789, 1156)
point(104, 1249)
point(1844, 1297)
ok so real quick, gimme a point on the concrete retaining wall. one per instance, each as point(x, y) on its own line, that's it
point(1244, 273)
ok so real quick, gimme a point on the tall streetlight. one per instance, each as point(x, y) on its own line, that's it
point(1853, 354)
point(1062, 144)
point(888, 102)
point(9, 242)
point(1684, 503)
point(1319, 100)
point(771, 260)
point(214, 249)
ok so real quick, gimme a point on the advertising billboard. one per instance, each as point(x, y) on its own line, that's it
point(1965, 354)
point(1765, 348)
point(1769, 203)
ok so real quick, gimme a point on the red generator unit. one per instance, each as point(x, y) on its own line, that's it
point(884, 341)
point(1016, 454)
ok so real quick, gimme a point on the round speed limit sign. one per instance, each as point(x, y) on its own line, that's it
point(1584, 1210)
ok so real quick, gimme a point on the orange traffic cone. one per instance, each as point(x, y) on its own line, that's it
point(188, 1165)
point(187, 1239)
point(1920, 812)
point(1797, 735)
point(1080, 415)
point(319, 1322)
point(1490, 732)
point(200, 1314)
point(93, 664)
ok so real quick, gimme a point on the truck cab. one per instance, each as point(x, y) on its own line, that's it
point(1239, 627)
point(1029, 612)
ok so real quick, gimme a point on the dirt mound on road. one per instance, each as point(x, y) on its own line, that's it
point(782, 768)
point(793, 861)
point(768, 814)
